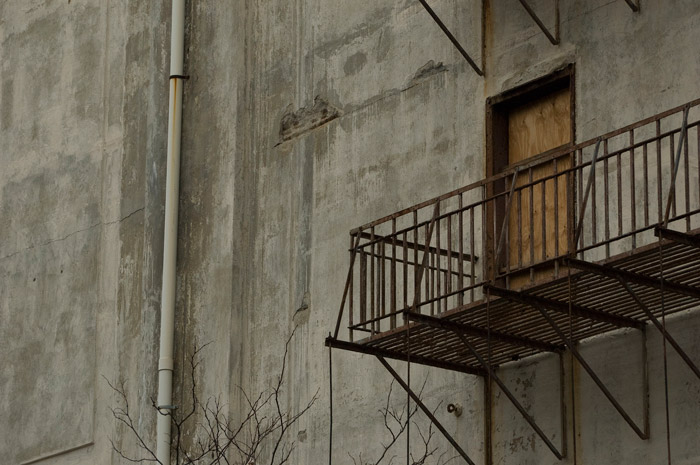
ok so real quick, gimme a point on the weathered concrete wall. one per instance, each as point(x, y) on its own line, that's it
point(302, 119)
point(398, 140)
point(80, 198)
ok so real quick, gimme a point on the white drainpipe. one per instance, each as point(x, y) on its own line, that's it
point(172, 195)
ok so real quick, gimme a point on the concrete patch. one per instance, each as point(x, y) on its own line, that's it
point(296, 123)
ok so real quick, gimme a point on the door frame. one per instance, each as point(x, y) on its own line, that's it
point(496, 157)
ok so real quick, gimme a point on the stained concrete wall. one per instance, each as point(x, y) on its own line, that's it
point(302, 120)
point(81, 199)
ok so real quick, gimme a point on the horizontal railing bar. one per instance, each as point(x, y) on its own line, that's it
point(409, 262)
point(411, 245)
point(418, 305)
point(559, 174)
point(546, 156)
point(360, 325)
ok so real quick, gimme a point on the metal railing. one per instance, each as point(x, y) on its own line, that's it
point(591, 200)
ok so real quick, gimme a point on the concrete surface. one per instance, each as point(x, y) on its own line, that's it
point(302, 120)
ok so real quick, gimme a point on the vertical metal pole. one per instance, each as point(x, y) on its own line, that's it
point(562, 405)
point(330, 402)
point(488, 406)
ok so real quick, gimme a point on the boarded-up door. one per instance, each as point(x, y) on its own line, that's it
point(537, 223)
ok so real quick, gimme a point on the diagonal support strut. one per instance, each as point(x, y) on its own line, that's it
point(452, 38)
point(425, 409)
point(554, 39)
point(593, 375)
point(633, 6)
point(510, 396)
point(660, 327)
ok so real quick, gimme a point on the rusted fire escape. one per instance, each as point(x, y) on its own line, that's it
point(448, 283)
point(481, 276)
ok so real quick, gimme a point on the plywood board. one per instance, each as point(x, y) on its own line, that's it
point(537, 223)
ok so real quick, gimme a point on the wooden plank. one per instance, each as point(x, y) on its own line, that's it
point(537, 225)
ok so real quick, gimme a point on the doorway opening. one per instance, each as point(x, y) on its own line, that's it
point(524, 127)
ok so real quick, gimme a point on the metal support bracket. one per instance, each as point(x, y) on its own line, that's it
point(554, 39)
point(574, 351)
point(511, 397)
point(661, 328)
point(452, 38)
point(425, 410)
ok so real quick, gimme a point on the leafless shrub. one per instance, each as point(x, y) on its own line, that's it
point(218, 438)
point(396, 422)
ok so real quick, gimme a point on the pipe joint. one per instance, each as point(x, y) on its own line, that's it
point(166, 363)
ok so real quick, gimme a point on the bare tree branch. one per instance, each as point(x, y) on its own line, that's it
point(206, 433)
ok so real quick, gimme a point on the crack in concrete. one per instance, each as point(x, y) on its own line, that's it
point(417, 80)
point(392, 92)
point(106, 223)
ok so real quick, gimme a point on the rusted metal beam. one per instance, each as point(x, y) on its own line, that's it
point(554, 39)
point(425, 410)
point(370, 350)
point(509, 394)
point(675, 236)
point(483, 334)
point(624, 275)
point(562, 307)
point(572, 348)
point(661, 328)
point(452, 38)
point(634, 6)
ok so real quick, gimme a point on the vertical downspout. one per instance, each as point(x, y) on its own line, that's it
point(172, 195)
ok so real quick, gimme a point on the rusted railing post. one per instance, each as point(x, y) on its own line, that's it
point(502, 235)
point(591, 178)
point(419, 277)
point(347, 285)
point(671, 189)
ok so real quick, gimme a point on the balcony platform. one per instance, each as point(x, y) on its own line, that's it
point(509, 325)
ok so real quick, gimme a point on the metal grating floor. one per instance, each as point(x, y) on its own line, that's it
point(503, 329)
